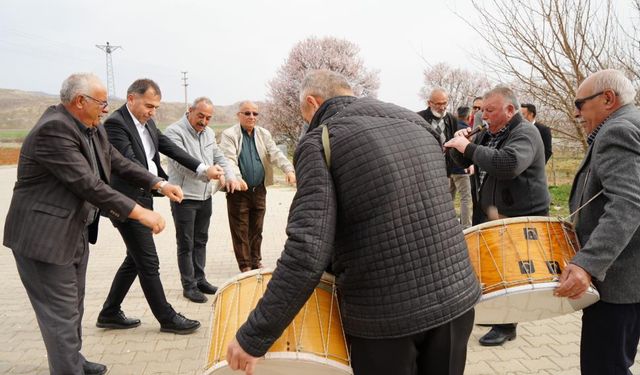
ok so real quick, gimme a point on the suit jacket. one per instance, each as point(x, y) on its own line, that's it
point(124, 136)
point(56, 187)
point(545, 133)
point(607, 227)
point(270, 154)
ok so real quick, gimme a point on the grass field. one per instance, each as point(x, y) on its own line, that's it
point(12, 135)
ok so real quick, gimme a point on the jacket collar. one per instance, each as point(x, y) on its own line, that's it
point(330, 108)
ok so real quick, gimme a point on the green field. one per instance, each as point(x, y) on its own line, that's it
point(12, 135)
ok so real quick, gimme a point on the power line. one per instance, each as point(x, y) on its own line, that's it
point(108, 49)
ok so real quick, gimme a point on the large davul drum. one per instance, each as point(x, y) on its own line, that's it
point(313, 344)
point(518, 262)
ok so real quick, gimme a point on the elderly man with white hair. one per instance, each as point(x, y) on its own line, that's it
point(66, 164)
point(605, 201)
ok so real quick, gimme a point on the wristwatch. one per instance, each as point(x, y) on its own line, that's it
point(161, 185)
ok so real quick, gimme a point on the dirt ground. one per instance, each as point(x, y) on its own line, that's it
point(9, 155)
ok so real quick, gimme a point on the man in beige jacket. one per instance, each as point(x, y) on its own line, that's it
point(251, 153)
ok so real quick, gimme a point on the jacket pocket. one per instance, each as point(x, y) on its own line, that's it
point(51, 209)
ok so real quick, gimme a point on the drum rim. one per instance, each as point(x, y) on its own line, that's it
point(534, 286)
point(291, 356)
point(514, 220)
point(326, 277)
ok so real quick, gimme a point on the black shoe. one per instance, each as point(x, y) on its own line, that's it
point(498, 336)
point(92, 368)
point(194, 295)
point(206, 287)
point(180, 325)
point(118, 321)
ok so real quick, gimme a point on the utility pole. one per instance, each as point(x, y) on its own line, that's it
point(185, 84)
point(111, 86)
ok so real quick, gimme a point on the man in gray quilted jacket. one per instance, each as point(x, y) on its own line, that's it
point(379, 211)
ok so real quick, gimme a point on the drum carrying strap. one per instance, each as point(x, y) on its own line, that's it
point(581, 207)
point(325, 145)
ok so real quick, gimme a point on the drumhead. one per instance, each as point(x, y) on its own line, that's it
point(514, 220)
point(288, 364)
point(529, 302)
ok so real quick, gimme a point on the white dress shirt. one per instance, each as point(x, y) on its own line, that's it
point(147, 143)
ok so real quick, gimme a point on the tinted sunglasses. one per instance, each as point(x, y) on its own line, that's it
point(249, 113)
point(580, 102)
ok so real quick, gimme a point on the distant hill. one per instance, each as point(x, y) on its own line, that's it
point(19, 110)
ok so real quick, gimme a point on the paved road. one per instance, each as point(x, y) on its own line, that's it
point(544, 347)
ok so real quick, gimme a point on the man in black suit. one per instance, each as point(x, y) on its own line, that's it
point(133, 132)
point(529, 113)
point(66, 164)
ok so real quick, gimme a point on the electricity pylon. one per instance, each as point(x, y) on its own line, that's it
point(111, 86)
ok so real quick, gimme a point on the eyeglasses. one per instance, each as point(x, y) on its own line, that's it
point(249, 113)
point(580, 102)
point(102, 103)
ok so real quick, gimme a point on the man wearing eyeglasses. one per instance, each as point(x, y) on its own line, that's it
point(133, 132)
point(605, 200)
point(251, 152)
point(445, 124)
point(66, 164)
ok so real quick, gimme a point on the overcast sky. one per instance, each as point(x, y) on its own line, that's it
point(231, 49)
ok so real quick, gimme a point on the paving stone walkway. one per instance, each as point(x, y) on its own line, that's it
point(544, 347)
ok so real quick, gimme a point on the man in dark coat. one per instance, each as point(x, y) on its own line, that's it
point(133, 132)
point(382, 215)
point(510, 178)
point(529, 113)
point(65, 166)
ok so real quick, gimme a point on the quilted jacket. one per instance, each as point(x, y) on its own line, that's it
point(381, 217)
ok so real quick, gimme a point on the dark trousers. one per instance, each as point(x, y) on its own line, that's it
point(246, 211)
point(56, 293)
point(141, 260)
point(609, 342)
point(191, 218)
point(438, 351)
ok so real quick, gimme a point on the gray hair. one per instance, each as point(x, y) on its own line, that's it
point(242, 103)
point(325, 84)
point(140, 86)
point(614, 80)
point(436, 90)
point(201, 99)
point(506, 93)
point(78, 84)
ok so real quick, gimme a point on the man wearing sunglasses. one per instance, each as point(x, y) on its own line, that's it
point(66, 164)
point(605, 200)
point(251, 153)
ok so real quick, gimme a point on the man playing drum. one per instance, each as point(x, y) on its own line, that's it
point(510, 178)
point(378, 209)
point(605, 200)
